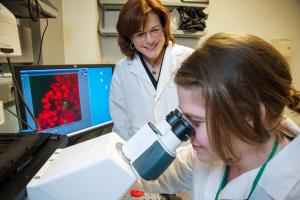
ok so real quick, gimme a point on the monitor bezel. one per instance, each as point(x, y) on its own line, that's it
point(20, 108)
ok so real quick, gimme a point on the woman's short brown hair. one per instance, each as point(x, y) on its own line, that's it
point(133, 15)
point(236, 74)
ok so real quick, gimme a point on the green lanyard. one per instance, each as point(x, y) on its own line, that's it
point(259, 174)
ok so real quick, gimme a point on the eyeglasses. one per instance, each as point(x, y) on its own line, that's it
point(154, 32)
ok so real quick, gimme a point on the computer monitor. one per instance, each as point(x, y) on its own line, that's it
point(64, 99)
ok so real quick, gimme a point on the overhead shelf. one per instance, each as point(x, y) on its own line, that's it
point(167, 3)
point(107, 25)
point(111, 32)
point(187, 34)
point(20, 8)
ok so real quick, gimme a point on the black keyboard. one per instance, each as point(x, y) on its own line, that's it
point(21, 156)
point(16, 150)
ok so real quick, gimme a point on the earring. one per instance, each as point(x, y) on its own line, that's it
point(131, 46)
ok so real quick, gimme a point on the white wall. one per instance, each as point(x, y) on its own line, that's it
point(269, 19)
point(81, 39)
point(53, 43)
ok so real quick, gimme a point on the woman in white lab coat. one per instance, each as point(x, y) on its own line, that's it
point(142, 87)
point(234, 90)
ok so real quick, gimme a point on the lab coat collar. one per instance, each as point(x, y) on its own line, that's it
point(136, 67)
point(214, 180)
point(167, 72)
point(238, 188)
point(284, 168)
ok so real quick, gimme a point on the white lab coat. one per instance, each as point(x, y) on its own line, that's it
point(280, 180)
point(134, 100)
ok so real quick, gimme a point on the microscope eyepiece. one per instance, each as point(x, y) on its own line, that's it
point(182, 129)
point(173, 116)
point(179, 126)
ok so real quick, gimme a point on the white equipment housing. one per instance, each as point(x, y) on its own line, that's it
point(106, 167)
point(9, 35)
point(90, 170)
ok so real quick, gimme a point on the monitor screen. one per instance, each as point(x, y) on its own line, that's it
point(64, 99)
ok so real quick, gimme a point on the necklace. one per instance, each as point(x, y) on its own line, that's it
point(153, 74)
point(151, 68)
point(258, 176)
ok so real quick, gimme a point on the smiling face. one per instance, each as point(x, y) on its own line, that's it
point(192, 105)
point(150, 40)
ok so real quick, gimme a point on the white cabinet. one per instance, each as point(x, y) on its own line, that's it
point(109, 11)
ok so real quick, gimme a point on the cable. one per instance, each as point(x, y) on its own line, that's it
point(20, 93)
point(42, 39)
point(11, 112)
point(41, 44)
point(31, 10)
point(36, 18)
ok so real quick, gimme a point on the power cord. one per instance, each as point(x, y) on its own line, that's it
point(42, 39)
point(20, 93)
point(14, 114)
point(34, 5)
point(31, 5)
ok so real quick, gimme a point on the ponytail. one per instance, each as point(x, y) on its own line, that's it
point(294, 103)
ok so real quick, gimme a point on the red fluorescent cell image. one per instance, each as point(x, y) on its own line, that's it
point(56, 99)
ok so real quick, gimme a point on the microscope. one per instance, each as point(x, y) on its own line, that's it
point(106, 167)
